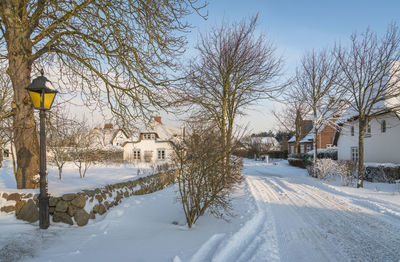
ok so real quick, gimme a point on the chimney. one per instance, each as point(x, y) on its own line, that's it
point(158, 119)
point(108, 126)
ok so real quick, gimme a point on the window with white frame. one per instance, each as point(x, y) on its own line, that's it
point(354, 154)
point(292, 149)
point(148, 136)
point(308, 148)
point(383, 126)
point(368, 131)
point(136, 154)
point(161, 154)
point(302, 149)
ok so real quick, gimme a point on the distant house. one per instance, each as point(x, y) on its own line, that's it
point(306, 126)
point(381, 140)
point(269, 143)
point(108, 137)
point(325, 139)
point(153, 143)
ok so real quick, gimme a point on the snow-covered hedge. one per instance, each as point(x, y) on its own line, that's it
point(331, 153)
point(375, 172)
point(299, 160)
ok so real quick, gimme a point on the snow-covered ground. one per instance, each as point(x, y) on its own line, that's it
point(281, 215)
point(96, 176)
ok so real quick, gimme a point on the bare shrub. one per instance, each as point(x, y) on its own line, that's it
point(204, 183)
point(347, 172)
point(325, 168)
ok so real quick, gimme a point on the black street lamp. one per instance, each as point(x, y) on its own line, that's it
point(42, 98)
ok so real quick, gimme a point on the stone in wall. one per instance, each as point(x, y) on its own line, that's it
point(63, 218)
point(29, 212)
point(81, 217)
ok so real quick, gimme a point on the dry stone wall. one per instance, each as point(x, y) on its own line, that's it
point(78, 208)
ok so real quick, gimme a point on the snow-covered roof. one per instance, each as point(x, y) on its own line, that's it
point(292, 139)
point(104, 137)
point(308, 137)
point(164, 132)
point(270, 141)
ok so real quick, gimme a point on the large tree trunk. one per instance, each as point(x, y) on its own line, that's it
point(361, 132)
point(26, 140)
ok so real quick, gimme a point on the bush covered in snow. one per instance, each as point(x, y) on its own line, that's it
point(331, 153)
point(323, 168)
point(327, 168)
point(299, 160)
point(347, 172)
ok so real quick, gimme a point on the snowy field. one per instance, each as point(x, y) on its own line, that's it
point(282, 214)
point(96, 176)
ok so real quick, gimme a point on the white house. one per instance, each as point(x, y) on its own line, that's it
point(108, 137)
point(381, 142)
point(153, 143)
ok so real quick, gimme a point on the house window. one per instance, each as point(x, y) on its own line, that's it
point(161, 154)
point(352, 130)
point(292, 149)
point(354, 154)
point(383, 126)
point(148, 136)
point(136, 154)
point(302, 149)
point(308, 148)
point(368, 133)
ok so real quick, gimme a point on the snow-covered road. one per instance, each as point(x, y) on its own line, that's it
point(299, 221)
point(282, 214)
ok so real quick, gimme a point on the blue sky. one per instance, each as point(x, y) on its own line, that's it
point(295, 27)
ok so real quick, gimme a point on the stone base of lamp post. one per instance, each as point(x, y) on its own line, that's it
point(44, 219)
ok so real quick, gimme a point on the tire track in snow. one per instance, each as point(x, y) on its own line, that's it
point(345, 225)
point(208, 248)
point(255, 241)
point(297, 238)
point(245, 244)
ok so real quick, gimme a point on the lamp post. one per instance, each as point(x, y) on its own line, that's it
point(42, 98)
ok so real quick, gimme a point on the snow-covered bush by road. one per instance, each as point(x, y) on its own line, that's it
point(326, 168)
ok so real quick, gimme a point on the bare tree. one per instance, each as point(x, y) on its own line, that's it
point(234, 69)
point(253, 145)
point(82, 153)
point(203, 185)
point(370, 73)
point(291, 117)
point(5, 112)
point(60, 137)
point(316, 79)
point(113, 52)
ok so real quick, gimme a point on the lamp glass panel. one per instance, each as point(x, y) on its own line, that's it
point(48, 100)
point(36, 98)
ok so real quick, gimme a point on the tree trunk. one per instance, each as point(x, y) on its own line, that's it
point(361, 132)
point(315, 146)
point(298, 131)
point(25, 136)
point(315, 142)
point(60, 173)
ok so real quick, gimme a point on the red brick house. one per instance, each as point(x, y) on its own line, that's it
point(325, 139)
